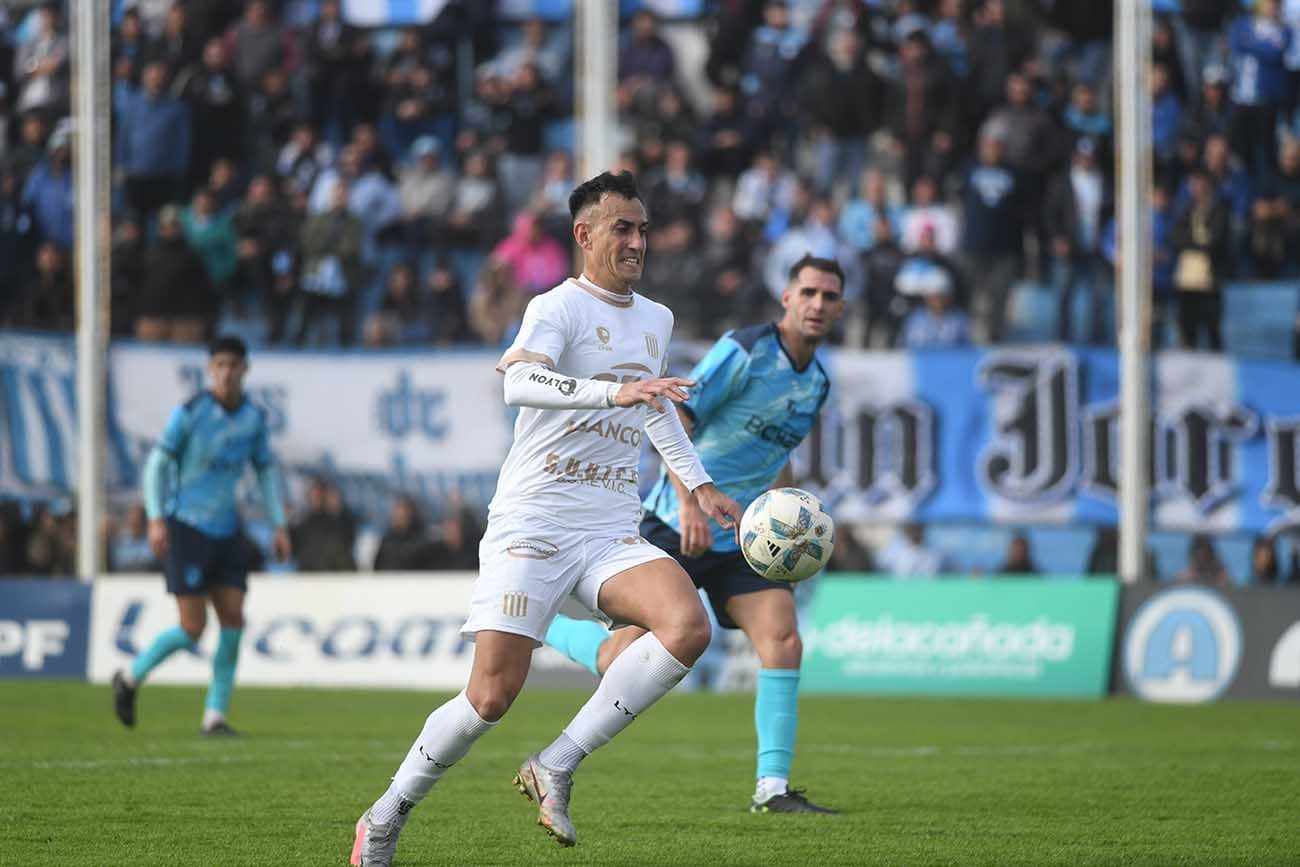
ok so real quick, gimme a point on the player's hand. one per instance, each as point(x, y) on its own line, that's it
point(158, 537)
point(718, 506)
point(697, 537)
point(650, 392)
point(281, 547)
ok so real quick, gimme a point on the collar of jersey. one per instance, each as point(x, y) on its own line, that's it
point(618, 299)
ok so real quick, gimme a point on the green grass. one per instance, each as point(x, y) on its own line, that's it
point(920, 782)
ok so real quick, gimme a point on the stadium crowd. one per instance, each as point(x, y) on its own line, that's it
point(324, 185)
point(287, 176)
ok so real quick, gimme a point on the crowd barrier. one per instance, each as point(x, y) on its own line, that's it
point(863, 634)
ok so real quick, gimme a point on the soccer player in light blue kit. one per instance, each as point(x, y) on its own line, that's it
point(757, 393)
point(194, 528)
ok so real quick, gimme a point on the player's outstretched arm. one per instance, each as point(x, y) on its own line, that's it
point(529, 383)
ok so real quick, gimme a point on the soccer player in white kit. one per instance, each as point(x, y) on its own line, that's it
point(587, 372)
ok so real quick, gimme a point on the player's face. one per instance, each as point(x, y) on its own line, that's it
point(616, 239)
point(813, 302)
point(226, 370)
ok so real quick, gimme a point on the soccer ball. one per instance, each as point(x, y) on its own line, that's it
point(786, 535)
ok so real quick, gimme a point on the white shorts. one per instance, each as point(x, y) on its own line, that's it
point(528, 570)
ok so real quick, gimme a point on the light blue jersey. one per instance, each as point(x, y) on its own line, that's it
point(751, 408)
point(207, 446)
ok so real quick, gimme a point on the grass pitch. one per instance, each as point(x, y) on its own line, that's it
point(920, 782)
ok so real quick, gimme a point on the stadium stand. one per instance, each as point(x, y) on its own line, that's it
point(311, 183)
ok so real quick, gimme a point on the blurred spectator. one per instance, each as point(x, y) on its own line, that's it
point(331, 246)
point(45, 301)
point(477, 209)
point(907, 556)
point(674, 272)
point(922, 110)
point(1084, 119)
point(1163, 257)
point(41, 65)
point(1019, 560)
point(766, 70)
point(1030, 144)
point(153, 144)
point(52, 542)
point(725, 145)
point(1203, 564)
point(128, 546)
point(216, 103)
point(17, 240)
point(813, 235)
point(447, 308)
point(48, 191)
point(882, 263)
point(13, 539)
point(496, 306)
point(303, 158)
point(1264, 567)
point(403, 318)
point(335, 54)
point(256, 45)
point(997, 48)
point(126, 276)
point(324, 535)
point(425, 189)
point(225, 186)
point(936, 325)
point(211, 234)
point(1076, 207)
point(1164, 52)
point(857, 223)
point(176, 46)
point(176, 300)
point(1103, 559)
point(644, 58)
point(925, 213)
point(272, 115)
point(267, 249)
point(1259, 43)
point(405, 545)
point(1211, 114)
point(1201, 239)
point(728, 294)
point(536, 48)
point(762, 188)
point(33, 132)
point(536, 262)
point(676, 191)
point(1275, 232)
point(1166, 113)
point(842, 101)
point(532, 105)
point(459, 532)
point(550, 200)
point(1200, 33)
point(993, 227)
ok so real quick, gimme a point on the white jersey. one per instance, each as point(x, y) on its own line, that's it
point(578, 468)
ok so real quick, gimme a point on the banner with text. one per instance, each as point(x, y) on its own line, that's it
point(378, 424)
point(332, 630)
point(43, 626)
point(1002, 637)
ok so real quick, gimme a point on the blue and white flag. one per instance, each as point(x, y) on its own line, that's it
point(391, 13)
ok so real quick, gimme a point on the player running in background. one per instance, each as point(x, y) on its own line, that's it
point(756, 395)
point(195, 531)
point(587, 372)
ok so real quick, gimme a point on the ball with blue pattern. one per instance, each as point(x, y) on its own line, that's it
point(787, 535)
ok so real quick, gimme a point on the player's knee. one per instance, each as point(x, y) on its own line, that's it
point(193, 630)
point(491, 701)
point(687, 638)
point(781, 649)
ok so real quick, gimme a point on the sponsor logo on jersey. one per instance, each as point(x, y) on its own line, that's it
point(515, 604)
point(627, 434)
point(566, 387)
point(602, 334)
point(532, 549)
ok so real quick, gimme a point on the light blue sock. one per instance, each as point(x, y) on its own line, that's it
point(168, 642)
point(776, 718)
point(580, 640)
point(223, 669)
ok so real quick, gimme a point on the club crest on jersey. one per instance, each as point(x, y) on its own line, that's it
point(652, 345)
point(602, 334)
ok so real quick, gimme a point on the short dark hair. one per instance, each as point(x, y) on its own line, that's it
point(228, 343)
point(830, 266)
point(589, 192)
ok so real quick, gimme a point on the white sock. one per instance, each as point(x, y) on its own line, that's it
point(769, 787)
point(448, 734)
point(212, 716)
point(562, 755)
point(640, 675)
